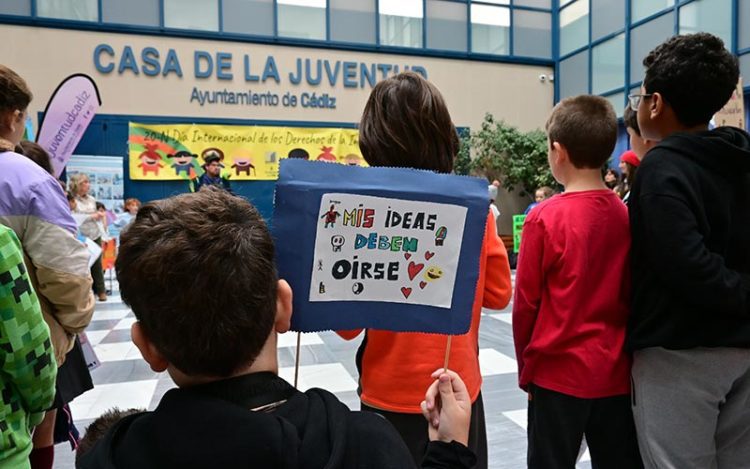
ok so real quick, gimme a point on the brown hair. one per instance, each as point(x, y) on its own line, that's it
point(198, 272)
point(37, 154)
point(407, 124)
point(546, 190)
point(14, 92)
point(99, 427)
point(132, 200)
point(630, 119)
point(587, 127)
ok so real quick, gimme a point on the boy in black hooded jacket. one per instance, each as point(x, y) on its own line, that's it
point(690, 221)
point(218, 343)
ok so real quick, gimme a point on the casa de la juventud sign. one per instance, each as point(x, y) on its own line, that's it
point(250, 80)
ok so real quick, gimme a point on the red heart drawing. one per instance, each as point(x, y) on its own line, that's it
point(428, 255)
point(407, 256)
point(406, 291)
point(422, 285)
point(414, 269)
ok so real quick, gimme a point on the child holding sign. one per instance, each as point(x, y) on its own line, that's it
point(407, 124)
point(572, 300)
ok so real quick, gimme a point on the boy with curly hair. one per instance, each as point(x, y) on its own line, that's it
point(690, 222)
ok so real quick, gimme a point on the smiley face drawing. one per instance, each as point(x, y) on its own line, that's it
point(432, 273)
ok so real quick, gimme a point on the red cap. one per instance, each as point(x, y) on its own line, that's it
point(630, 157)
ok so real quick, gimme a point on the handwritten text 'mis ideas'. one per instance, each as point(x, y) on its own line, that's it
point(361, 217)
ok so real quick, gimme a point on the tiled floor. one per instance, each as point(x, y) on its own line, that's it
point(124, 380)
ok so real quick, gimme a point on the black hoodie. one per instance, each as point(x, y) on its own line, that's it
point(690, 220)
point(211, 426)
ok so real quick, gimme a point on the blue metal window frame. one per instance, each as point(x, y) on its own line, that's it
point(627, 30)
point(162, 30)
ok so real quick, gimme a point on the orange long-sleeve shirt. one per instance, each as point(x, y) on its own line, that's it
point(396, 366)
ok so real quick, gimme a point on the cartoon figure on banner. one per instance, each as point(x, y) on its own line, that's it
point(320, 265)
point(243, 162)
point(358, 288)
point(432, 273)
point(353, 159)
point(183, 162)
point(300, 153)
point(330, 216)
point(270, 157)
point(440, 235)
point(150, 159)
point(337, 241)
point(321, 288)
point(327, 155)
point(210, 153)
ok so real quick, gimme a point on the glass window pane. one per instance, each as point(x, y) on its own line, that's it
point(192, 14)
point(248, 17)
point(353, 21)
point(137, 12)
point(81, 10)
point(533, 3)
point(574, 75)
point(532, 35)
point(15, 7)
point(490, 29)
point(644, 38)
point(617, 101)
point(644, 8)
point(711, 16)
point(607, 16)
point(401, 23)
point(745, 70)
point(608, 65)
point(574, 26)
point(744, 25)
point(304, 19)
point(446, 25)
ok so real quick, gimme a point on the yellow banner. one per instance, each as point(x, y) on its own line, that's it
point(247, 153)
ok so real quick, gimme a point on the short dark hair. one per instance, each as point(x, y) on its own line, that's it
point(586, 126)
point(300, 153)
point(407, 124)
point(100, 206)
point(37, 154)
point(14, 92)
point(630, 119)
point(99, 427)
point(694, 73)
point(198, 272)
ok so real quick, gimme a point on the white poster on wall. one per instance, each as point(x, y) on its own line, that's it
point(106, 176)
point(383, 249)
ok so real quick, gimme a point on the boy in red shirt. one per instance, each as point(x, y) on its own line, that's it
point(571, 302)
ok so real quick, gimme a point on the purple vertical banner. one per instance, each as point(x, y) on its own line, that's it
point(69, 112)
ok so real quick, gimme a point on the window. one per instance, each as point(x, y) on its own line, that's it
point(711, 16)
point(533, 3)
point(644, 38)
point(643, 8)
point(743, 22)
point(745, 70)
point(574, 75)
point(353, 21)
point(490, 29)
point(137, 12)
point(446, 25)
point(200, 15)
point(401, 23)
point(81, 10)
point(574, 26)
point(607, 16)
point(248, 17)
point(532, 35)
point(303, 19)
point(608, 65)
point(15, 7)
point(617, 101)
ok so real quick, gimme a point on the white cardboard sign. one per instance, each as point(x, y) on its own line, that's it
point(383, 249)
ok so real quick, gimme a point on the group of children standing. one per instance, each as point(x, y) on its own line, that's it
point(630, 323)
